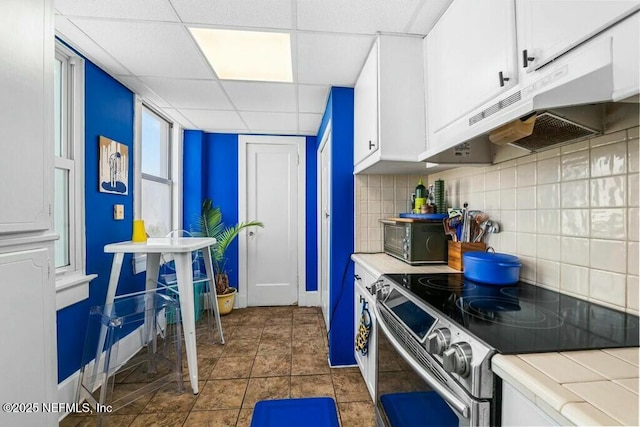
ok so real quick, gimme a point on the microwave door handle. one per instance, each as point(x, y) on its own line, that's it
point(449, 397)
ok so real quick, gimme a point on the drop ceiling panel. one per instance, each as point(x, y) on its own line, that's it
point(331, 59)
point(312, 99)
point(149, 49)
point(428, 15)
point(356, 16)
point(178, 117)
point(137, 86)
point(309, 123)
point(212, 120)
point(195, 94)
point(242, 13)
point(270, 121)
point(145, 10)
point(68, 32)
point(254, 96)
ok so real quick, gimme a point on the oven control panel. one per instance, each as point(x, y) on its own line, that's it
point(462, 355)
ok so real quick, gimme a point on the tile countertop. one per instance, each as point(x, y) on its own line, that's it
point(381, 263)
point(597, 387)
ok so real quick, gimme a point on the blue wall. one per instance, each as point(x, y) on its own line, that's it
point(211, 160)
point(339, 111)
point(109, 111)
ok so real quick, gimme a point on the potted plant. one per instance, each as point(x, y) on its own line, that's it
point(210, 225)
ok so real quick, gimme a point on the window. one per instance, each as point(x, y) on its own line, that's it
point(68, 201)
point(156, 185)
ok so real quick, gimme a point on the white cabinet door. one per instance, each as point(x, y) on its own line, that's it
point(27, 359)
point(367, 363)
point(26, 115)
point(549, 28)
point(365, 120)
point(472, 44)
point(389, 128)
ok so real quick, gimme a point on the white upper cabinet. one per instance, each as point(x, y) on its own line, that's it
point(389, 110)
point(365, 100)
point(26, 116)
point(470, 58)
point(549, 28)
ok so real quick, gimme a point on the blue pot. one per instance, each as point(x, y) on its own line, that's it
point(491, 268)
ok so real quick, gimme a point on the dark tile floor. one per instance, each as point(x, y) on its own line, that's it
point(270, 353)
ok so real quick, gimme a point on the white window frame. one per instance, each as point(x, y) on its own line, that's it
point(72, 283)
point(175, 173)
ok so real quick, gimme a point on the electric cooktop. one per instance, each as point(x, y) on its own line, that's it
point(523, 318)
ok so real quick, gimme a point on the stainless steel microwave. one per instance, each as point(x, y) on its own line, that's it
point(415, 242)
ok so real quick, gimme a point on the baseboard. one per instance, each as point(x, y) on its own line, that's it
point(310, 299)
point(127, 348)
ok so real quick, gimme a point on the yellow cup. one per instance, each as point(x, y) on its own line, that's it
point(139, 234)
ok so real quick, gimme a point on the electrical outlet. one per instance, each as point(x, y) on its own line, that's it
point(118, 212)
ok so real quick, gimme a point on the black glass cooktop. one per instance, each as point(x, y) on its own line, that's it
point(523, 318)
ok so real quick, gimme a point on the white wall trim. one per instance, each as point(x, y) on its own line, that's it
point(310, 299)
point(300, 142)
point(324, 140)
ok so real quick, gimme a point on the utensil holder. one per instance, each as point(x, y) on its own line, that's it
point(457, 249)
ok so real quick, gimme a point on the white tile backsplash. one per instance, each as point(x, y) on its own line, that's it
point(608, 192)
point(572, 214)
point(526, 174)
point(575, 165)
point(608, 255)
point(548, 221)
point(575, 194)
point(548, 170)
point(608, 287)
point(574, 279)
point(575, 222)
point(548, 196)
point(609, 159)
point(609, 223)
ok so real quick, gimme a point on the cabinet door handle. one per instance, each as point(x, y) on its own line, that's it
point(371, 145)
point(526, 58)
point(502, 78)
point(357, 277)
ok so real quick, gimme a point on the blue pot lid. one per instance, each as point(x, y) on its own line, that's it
point(493, 257)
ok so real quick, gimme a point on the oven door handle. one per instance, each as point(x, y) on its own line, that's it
point(436, 385)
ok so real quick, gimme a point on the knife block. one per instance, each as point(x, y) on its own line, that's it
point(457, 249)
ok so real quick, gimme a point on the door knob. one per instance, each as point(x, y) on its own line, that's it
point(251, 233)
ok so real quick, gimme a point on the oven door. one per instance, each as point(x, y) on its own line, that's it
point(413, 389)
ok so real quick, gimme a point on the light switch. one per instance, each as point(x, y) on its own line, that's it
point(118, 211)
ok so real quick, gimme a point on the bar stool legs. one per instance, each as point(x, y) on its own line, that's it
point(115, 333)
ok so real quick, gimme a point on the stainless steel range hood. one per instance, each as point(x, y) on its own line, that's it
point(568, 100)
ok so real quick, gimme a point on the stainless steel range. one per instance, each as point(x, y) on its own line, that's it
point(437, 334)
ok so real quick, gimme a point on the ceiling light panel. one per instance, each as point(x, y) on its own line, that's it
point(246, 55)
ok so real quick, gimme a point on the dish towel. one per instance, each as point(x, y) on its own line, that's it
point(362, 339)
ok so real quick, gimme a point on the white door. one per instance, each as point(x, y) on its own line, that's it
point(324, 220)
point(272, 197)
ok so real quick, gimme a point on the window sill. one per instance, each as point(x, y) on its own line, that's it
point(72, 289)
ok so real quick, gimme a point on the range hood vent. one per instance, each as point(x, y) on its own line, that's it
point(538, 131)
point(550, 129)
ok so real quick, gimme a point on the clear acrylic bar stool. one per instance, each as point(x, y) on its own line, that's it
point(116, 336)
